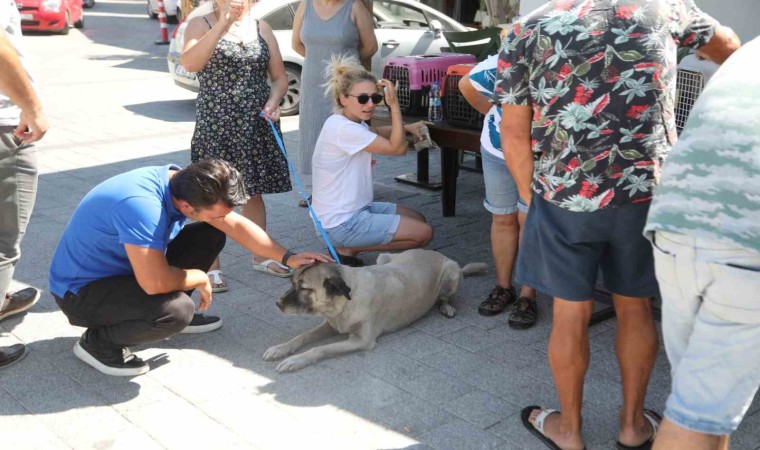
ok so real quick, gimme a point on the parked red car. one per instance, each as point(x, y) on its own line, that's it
point(50, 15)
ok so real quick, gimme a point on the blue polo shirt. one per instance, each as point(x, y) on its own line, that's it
point(132, 208)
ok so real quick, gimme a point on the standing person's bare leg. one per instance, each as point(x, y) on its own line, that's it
point(256, 212)
point(569, 359)
point(636, 349)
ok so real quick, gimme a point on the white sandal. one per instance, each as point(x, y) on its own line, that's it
point(216, 278)
point(264, 267)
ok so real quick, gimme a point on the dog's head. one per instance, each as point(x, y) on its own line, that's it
point(318, 288)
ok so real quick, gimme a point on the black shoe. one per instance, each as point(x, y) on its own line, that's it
point(202, 324)
point(524, 314)
point(11, 355)
point(119, 362)
point(17, 302)
point(497, 301)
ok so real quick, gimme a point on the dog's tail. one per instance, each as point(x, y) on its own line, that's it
point(474, 269)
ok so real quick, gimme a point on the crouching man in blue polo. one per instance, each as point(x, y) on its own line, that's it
point(128, 260)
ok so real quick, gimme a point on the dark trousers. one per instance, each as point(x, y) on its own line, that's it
point(118, 313)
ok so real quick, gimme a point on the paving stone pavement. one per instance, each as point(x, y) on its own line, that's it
point(440, 384)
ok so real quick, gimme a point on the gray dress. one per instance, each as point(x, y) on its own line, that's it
point(322, 39)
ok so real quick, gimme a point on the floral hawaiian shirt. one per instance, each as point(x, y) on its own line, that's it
point(600, 76)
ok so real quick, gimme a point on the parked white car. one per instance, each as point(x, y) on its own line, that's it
point(170, 6)
point(402, 27)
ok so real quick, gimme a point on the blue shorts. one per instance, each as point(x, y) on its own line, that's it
point(562, 251)
point(374, 225)
point(501, 191)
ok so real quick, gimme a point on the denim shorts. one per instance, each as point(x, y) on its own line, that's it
point(501, 191)
point(711, 329)
point(562, 251)
point(374, 225)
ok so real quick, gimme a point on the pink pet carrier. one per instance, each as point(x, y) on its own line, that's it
point(415, 74)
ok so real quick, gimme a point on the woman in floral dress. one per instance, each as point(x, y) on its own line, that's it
point(233, 54)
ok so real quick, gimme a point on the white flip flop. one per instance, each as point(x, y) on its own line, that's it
point(264, 267)
point(216, 278)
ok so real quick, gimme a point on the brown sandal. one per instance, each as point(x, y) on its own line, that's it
point(497, 301)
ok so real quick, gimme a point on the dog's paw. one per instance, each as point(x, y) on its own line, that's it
point(448, 310)
point(293, 363)
point(276, 352)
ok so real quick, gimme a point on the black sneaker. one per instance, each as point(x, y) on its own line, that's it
point(11, 355)
point(524, 314)
point(17, 302)
point(120, 363)
point(202, 324)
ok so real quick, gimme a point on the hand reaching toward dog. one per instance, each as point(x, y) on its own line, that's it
point(306, 258)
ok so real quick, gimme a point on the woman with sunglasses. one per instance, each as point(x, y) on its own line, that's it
point(342, 167)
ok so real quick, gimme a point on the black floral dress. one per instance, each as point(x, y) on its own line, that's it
point(233, 91)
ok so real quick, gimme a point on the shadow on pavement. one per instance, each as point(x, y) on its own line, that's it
point(169, 110)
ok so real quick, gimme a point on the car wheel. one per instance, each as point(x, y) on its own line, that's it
point(88, 3)
point(172, 19)
point(79, 23)
point(290, 103)
point(66, 25)
point(151, 14)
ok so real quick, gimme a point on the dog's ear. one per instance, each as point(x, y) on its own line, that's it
point(335, 286)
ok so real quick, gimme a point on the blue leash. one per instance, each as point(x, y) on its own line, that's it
point(314, 217)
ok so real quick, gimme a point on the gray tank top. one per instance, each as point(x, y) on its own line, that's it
point(322, 39)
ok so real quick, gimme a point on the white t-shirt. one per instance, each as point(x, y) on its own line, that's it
point(341, 171)
point(10, 22)
point(483, 79)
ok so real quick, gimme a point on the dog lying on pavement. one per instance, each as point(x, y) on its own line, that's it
point(366, 302)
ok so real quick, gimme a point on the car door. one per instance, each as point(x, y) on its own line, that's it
point(402, 30)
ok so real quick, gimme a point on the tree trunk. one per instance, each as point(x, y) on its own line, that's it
point(502, 11)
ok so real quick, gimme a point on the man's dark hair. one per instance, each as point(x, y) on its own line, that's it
point(208, 182)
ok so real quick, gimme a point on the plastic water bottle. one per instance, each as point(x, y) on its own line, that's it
point(435, 111)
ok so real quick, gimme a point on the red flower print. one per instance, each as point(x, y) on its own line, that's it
point(607, 198)
point(536, 113)
point(635, 111)
point(564, 72)
point(564, 5)
point(601, 105)
point(502, 65)
point(689, 39)
point(582, 95)
point(625, 12)
point(615, 171)
point(645, 163)
point(585, 8)
point(595, 58)
point(588, 189)
point(517, 29)
point(602, 155)
point(572, 165)
point(645, 65)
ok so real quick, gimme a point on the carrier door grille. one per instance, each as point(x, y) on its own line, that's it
point(689, 85)
point(401, 75)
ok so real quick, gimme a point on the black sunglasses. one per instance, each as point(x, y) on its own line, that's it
point(364, 98)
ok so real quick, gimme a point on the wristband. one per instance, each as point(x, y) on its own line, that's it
point(286, 257)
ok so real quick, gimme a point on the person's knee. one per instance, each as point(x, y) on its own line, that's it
point(504, 221)
point(177, 313)
point(214, 238)
point(425, 234)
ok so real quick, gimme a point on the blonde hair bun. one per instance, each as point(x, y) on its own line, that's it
point(342, 73)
